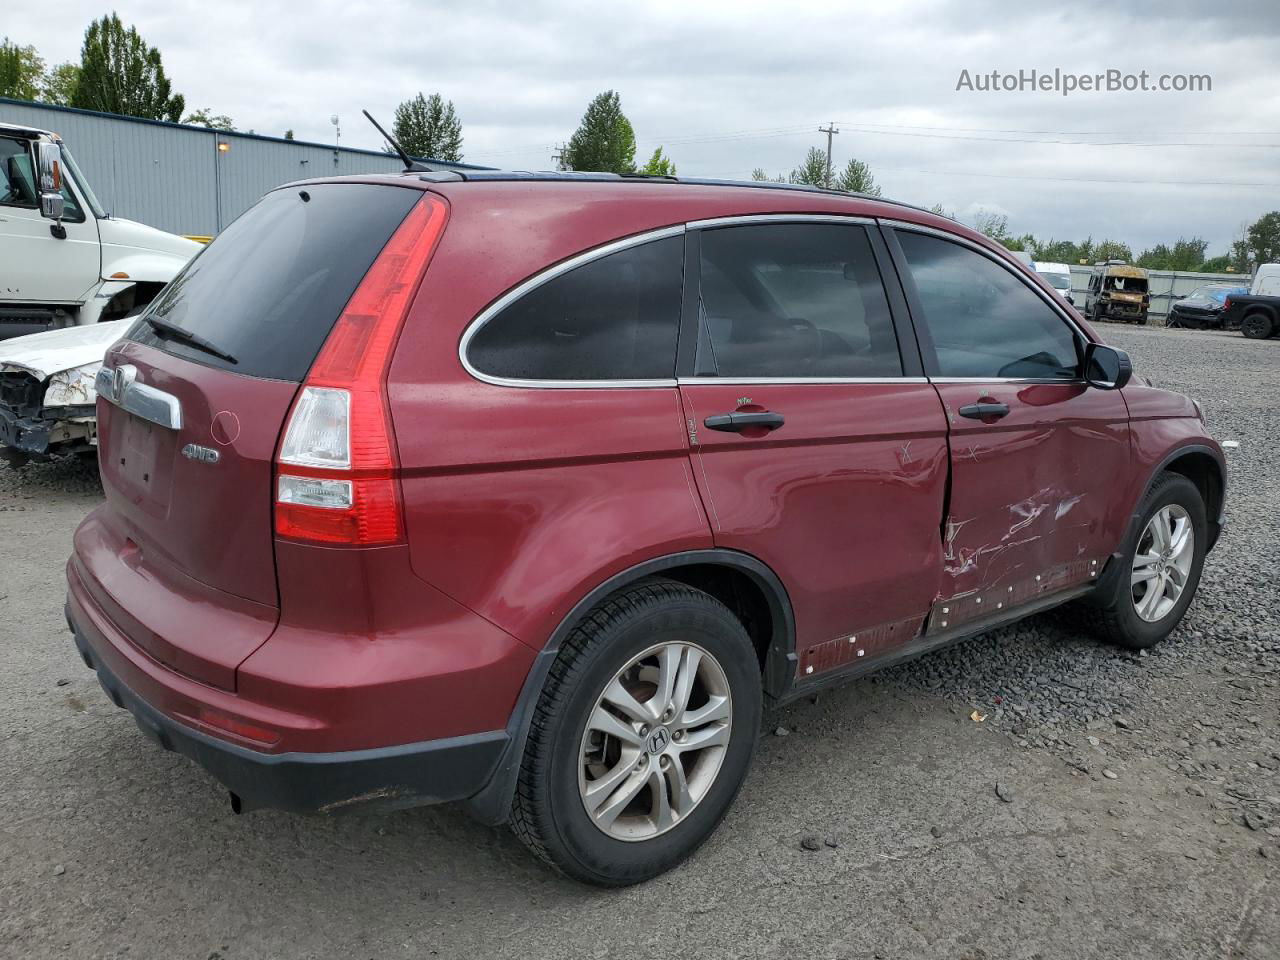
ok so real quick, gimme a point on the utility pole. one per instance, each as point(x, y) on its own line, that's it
point(830, 130)
point(558, 157)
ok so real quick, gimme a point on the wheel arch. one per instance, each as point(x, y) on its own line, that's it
point(1204, 466)
point(745, 584)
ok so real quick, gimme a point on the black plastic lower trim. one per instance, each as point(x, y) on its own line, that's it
point(387, 778)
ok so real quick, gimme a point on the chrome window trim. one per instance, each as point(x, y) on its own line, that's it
point(146, 402)
point(766, 218)
point(978, 248)
point(537, 280)
point(1064, 381)
point(750, 381)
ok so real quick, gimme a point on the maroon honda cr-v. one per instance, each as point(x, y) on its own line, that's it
point(532, 491)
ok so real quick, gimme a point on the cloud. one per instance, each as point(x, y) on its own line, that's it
point(728, 87)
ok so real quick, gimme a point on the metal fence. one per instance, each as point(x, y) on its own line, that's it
point(1165, 287)
point(184, 179)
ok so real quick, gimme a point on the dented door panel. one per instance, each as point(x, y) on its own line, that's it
point(842, 502)
point(1034, 503)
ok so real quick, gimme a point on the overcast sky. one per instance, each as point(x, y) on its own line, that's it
point(727, 87)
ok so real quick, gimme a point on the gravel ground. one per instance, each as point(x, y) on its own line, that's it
point(1109, 805)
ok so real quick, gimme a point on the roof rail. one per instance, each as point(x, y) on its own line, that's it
point(585, 176)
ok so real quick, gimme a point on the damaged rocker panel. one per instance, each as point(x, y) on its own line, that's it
point(982, 604)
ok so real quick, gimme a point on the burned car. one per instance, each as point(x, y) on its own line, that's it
point(47, 397)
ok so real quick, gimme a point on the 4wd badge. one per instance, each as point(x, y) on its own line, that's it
point(193, 451)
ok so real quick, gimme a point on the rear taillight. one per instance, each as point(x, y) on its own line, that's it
point(336, 479)
point(1226, 303)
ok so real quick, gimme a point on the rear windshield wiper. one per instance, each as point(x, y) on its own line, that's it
point(171, 331)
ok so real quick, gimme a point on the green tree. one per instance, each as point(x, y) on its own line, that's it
point(993, 225)
point(604, 140)
point(205, 117)
point(942, 211)
point(288, 134)
point(1185, 255)
point(856, 178)
point(759, 175)
point(813, 170)
point(1112, 250)
point(659, 165)
point(1219, 264)
point(59, 85)
point(119, 73)
point(429, 127)
point(21, 71)
point(1262, 241)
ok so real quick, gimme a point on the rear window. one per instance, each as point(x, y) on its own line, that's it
point(269, 289)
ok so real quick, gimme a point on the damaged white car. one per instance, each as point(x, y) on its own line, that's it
point(71, 277)
point(47, 400)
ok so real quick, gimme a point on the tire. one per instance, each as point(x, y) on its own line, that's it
point(1113, 613)
point(564, 755)
point(1172, 321)
point(1257, 326)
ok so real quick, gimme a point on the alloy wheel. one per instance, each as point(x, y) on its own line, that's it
point(1162, 562)
point(655, 741)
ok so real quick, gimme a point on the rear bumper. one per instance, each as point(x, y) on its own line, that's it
point(407, 775)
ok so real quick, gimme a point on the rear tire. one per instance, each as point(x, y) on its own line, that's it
point(1142, 602)
point(605, 738)
point(1257, 326)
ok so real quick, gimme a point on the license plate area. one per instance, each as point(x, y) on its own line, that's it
point(144, 464)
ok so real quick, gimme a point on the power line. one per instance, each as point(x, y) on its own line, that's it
point(1014, 176)
point(1070, 133)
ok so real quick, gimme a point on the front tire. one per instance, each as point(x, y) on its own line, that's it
point(641, 737)
point(1145, 599)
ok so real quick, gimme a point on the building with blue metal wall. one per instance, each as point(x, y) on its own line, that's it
point(185, 179)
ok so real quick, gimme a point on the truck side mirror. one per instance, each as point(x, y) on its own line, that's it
point(49, 164)
point(1106, 367)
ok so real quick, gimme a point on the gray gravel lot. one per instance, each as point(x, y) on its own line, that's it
point(1110, 805)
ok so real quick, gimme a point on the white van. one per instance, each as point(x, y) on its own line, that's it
point(1266, 281)
point(1059, 275)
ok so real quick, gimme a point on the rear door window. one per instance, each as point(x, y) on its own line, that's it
point(984, 321)
point(793, 301)
point(612, 318)
point(270, 287)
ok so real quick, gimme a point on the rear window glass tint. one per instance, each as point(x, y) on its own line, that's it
point(270, 287)
point(615, 318)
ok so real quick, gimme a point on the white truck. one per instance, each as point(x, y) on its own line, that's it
point(71, 277)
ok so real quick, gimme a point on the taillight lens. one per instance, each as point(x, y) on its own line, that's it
point(336, 471)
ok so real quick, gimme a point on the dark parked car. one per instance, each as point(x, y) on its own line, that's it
point(1202, 310)
point(534, 491)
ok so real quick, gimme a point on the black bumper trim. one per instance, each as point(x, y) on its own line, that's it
point(387, 778)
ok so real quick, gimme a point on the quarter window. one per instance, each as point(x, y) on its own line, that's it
point(614, 318)
point(983, 320)
point(793, 301)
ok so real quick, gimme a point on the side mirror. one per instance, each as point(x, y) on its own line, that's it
point(1106, 367)
point(49, 163)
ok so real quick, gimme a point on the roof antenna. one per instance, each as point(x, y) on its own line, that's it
point(409, 163)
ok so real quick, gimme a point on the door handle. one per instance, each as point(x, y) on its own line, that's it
point(737, 422)
point(985, 410)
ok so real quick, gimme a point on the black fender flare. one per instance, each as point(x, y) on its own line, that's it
point(492, 804)
point(1216, 524)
